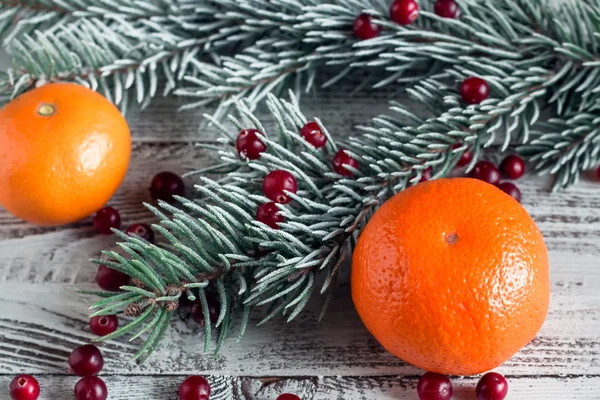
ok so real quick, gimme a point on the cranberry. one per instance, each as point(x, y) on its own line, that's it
point(404, 12)
point(184, 301)
point(312, 133)
point(194, 388)
point(276, 183)
point(102, 325)
point(288, 396)
point(269, 214)
point(364, 28)
point(340, 160)
point(446, 8)
point(24, 387)
point(214, 308)
point(165, 185)
point(474, 90)
point(511, 189)
point(426, 175)
point(598, 172)
point(434, 386)
point(106, 219)
point(110, 279)
point(465, 158)
point(142, 230)
point(86, 360)
point(513, 167)
point(249, 145)
point(491, 386)
point(90, 388)
point(486, 171)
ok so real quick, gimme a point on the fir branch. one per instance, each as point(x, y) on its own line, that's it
point(119, 64)
point(292, 43)
point(565, 146)
point(23, 17)
point(216, 238)
point(320, 39)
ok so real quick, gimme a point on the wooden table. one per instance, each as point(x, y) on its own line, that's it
point(42, 319)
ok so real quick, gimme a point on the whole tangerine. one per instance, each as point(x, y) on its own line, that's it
point(451, 276)
point(64, 151)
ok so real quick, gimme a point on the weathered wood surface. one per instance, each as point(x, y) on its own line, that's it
point(164, 387)
point(45, 321)
point(42, 319)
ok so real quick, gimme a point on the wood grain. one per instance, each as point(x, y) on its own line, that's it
point(41, 323)
point(391, 387)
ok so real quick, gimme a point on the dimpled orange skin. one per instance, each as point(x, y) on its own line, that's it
point(451, 276)
point(63, 166)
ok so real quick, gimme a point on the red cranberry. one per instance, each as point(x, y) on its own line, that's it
point(364, 28)
point(102, 325)
point(446, 8)
point(426, 175)
point(510, 189)
point(106, 219)
point(214, 308)
point(184, 301)
point(434, 386)
point(110, 279)
point(288, 396)
point(165, 185)
point(404, 12)
point(142, 230)
point(86, 360)
point(90, 388)
point(194, 388)
point(598, 172)
point(24, 387)
point(269, 214)
point(311, 132)
point(491, 386)
point(465, 158)
point(340, 160)
point(474, 90)
point(513, 167)
point(486, 171)
point(276, 183)
point(249, 145)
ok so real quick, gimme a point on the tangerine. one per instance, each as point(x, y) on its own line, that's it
point(451, 275)
point(64, 151)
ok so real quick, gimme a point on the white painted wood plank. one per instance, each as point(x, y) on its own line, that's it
point(316, 388)
point(40, 324)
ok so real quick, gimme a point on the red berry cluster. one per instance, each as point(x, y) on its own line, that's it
point(432, 386)
point(164, 186)
point(276, 186)
point(279, 184)
point(402, 12)
point(513, 167)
